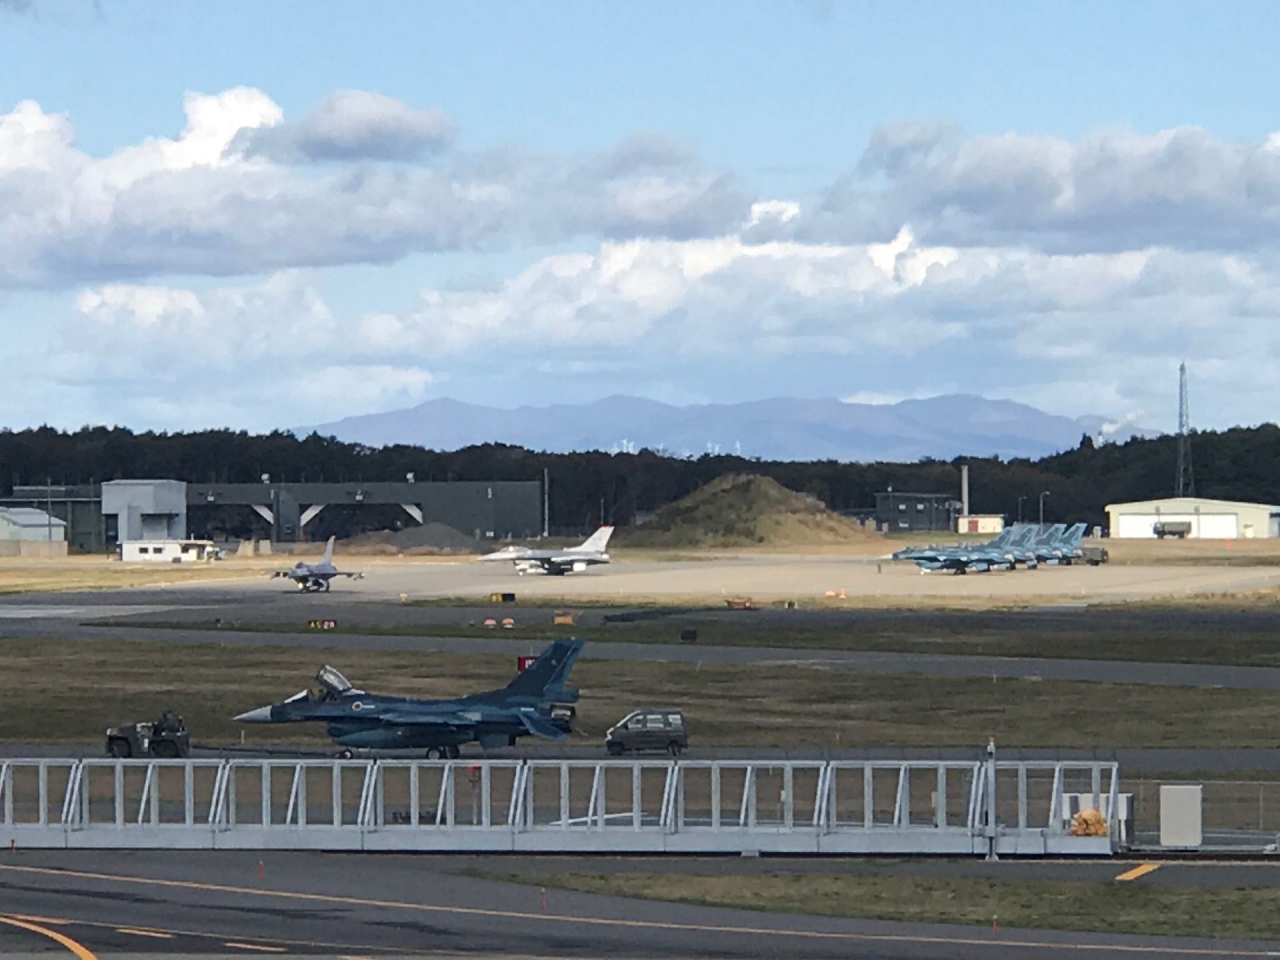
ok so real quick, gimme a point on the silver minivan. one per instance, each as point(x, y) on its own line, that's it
point(651, 729)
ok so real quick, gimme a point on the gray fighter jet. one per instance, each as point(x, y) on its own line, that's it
point(536, 702)
point(313, 577)
point(556, 562)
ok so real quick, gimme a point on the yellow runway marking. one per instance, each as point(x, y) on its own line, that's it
point(561, 919)
point(254, 946)
point(135, 932)
point(79, 950)
point(1141, 870)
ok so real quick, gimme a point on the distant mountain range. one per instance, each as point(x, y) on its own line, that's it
point(781, 429)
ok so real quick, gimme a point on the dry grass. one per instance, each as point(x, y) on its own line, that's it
point(1109, 907)
point(70, 690)
point(1247, 553)
point(101, 573)
point(742, 510)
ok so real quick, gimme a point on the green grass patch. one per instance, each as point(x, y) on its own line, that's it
point(1134, 908)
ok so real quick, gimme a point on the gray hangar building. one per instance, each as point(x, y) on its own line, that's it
point(1200, 517)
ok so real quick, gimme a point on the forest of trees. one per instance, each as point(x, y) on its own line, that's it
point(1236, 464)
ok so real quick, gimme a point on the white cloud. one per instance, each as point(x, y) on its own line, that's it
point(1112, 190)
point(1074, 275)
point(351, 125)
point(231, 193)
point(872, 323)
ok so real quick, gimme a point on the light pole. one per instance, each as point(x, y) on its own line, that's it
point(1042, 496)
point(1020, 499)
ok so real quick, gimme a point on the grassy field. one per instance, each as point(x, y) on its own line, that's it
point(70, 690)
point(1163, 639)
point(1058, 905)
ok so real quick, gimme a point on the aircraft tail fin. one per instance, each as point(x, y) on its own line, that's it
point(328, 551)
point(1002, 538)
point(547, 674)
point(599, 540)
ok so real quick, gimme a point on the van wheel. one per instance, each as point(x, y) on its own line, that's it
point(346, 754)
point(674, 749)
point(435, 753)
point(165, 750)
point(615, 749)
point(120, 749)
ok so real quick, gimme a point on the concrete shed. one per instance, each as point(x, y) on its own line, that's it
point(980, 523)
point(28, 532)
point(28, 523)
point(1194, 517)
point(145, 510)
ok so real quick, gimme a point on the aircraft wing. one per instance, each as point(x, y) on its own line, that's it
point(541, 727)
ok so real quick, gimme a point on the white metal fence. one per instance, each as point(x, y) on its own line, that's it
point(644, 806)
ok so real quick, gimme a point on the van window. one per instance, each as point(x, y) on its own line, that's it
point(654, 722)
point(674, 720)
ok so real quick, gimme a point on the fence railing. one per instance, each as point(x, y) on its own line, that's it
point(986, 808)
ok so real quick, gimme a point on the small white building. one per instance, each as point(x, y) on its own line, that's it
point(1196, 517)
point(168, 551)
point(980, 523)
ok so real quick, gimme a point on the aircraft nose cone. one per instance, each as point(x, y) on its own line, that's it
point(260, 715)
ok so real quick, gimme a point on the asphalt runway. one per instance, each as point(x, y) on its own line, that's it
point(162, 903)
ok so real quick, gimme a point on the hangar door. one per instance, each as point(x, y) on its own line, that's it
point(1218, 526)
point(1211, 526)
point(1131, 525)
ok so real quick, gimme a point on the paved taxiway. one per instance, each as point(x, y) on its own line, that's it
point(161, 903)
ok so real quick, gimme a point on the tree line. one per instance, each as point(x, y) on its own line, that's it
point(1236, 464)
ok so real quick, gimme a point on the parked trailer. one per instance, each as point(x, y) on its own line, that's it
point(981, 808)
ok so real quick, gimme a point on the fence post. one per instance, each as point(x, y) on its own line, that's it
point(991, 800)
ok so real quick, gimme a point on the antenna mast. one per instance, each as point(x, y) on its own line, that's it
point(1186, 480)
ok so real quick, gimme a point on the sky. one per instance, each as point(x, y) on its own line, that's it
point(264, 215)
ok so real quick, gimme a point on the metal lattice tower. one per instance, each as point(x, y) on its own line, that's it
point(1186, 479)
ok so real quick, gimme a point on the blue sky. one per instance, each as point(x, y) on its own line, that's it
point(513, 203)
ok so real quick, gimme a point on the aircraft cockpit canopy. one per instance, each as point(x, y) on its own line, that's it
point(331, 684)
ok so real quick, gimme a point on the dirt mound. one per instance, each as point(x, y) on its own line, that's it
point(742, 510)
point(430, 538)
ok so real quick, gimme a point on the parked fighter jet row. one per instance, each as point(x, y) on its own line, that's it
point(1024, 544)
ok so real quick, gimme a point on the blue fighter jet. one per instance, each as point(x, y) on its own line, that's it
point(536, 702)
